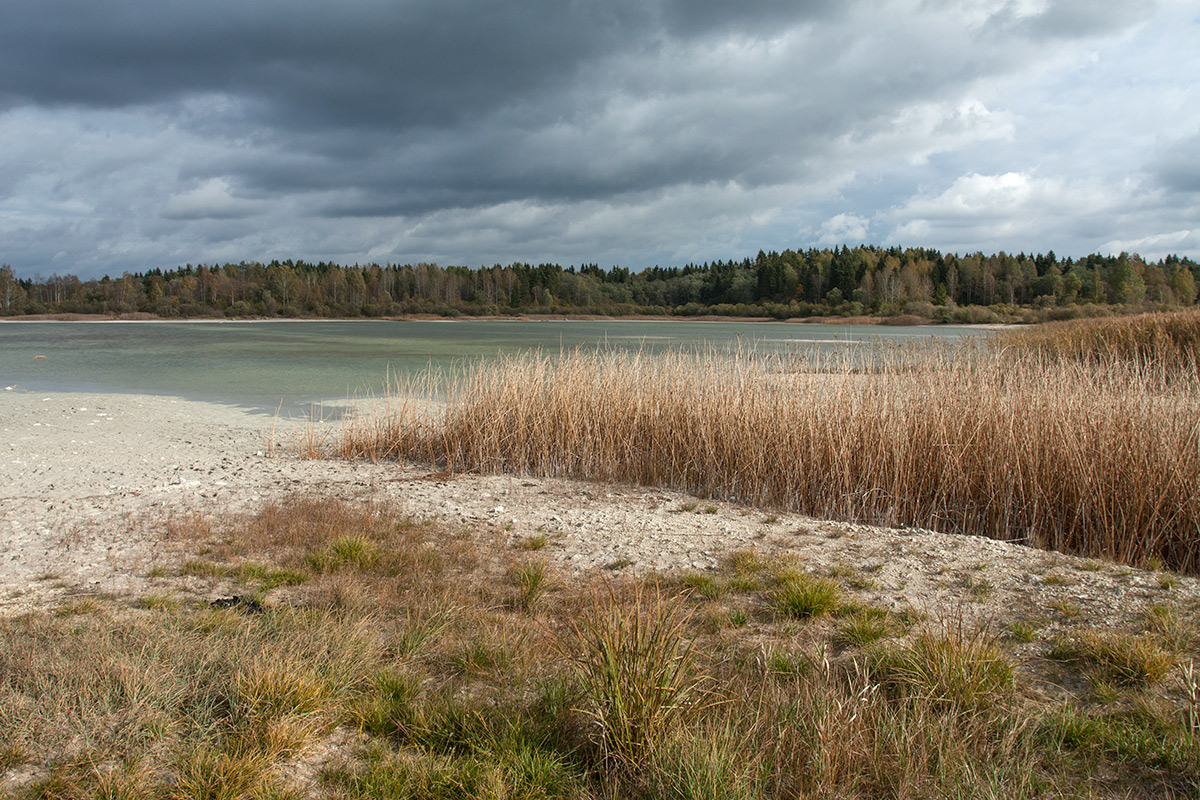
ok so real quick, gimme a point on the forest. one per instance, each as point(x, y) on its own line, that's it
point(842, 281)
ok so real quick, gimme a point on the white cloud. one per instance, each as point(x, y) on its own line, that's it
point(843, 229)
point(1157, 245)
point(212, 199)
point(976, 196)
point(1010, 211)
point(1025, 211)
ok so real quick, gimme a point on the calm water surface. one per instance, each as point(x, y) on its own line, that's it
point(263, 365)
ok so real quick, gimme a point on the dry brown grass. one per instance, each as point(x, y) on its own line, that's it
point(1170, 341)
point(1098, 457)
point(438, 682)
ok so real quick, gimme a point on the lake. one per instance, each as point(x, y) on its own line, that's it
point(267, 365)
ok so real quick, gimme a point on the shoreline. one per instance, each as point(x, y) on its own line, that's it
point(709, 318)
point(142, 562)
point(93, 482)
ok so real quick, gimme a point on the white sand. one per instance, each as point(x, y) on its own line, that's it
point(77, 467)
point(87, 482)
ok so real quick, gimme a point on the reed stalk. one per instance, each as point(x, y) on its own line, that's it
point(1097, 456)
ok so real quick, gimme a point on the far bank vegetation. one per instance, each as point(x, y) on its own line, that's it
point(920, 284)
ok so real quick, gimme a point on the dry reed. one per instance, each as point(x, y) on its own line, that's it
point(1098, 456)
point(1170, 341)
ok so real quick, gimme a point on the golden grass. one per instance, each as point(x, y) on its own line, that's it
point(1117, 657)
point(220, 697)
point(1097, 456)
point(1169, 340)
point(420, 674)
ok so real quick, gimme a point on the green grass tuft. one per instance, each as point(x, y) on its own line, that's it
point(1122, 658)
point(710, 587)
point(532, 580)
point(355, 552)
point(636, 670)
point(955, 665)
point(865, 627)
point(800, 596)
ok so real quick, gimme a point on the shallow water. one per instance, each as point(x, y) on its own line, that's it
point(291, 365)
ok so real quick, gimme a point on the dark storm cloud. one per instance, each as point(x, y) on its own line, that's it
point(365, 63)
point(700, 17)
point(415, 105)
point(176, 124)
point(358, 63)
point(540, 107)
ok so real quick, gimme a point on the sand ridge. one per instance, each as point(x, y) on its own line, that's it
point(88, 481)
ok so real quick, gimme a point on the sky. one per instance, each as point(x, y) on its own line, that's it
point(153, 133)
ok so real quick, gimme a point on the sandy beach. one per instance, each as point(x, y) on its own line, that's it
point(90, 481)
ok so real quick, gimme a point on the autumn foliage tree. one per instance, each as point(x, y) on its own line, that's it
point(947, 287)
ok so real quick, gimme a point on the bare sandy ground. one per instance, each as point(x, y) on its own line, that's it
point(87, 482)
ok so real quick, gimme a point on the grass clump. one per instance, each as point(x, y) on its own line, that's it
point(745, 562)
point(505, 767)
point(1157, 742)
point(800, 596)
point(708, 764)
point(156, 601)
point(1023, 631)
point(636, 671)
point(203, 568)
point(703, 584)
point(388, 709)
point(218, 707)
point(532, 580)
point(222, 774)
point(79, 606)
point(956, 664)
point(1175, 630)
point(347, 552)
point(480, 657)
point(266, 577)
point(1121, 658)
point(415, 674)
point(865, 626)
point(745, 571)
point(534, 542)
point(1067, 608)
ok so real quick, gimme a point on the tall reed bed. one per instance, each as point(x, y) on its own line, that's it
point(1171, 341)
point(1100, 457)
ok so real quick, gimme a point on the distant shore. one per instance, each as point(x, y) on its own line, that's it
point(907, 321)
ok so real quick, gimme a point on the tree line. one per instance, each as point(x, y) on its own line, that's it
point(845, 281)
